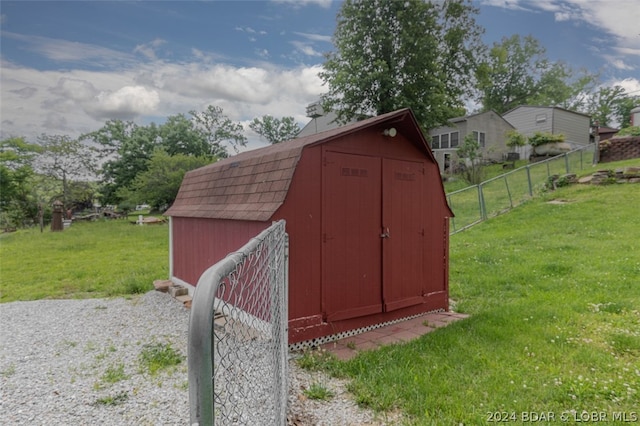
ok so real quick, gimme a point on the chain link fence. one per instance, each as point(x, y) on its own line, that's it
point(237, 351)
point(477, 203)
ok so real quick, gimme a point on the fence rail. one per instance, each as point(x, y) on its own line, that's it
point(237, 350)
point(477, 203)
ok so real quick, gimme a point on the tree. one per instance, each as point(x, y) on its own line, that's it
point(65, 159)
point(275, 130)
point(219, 130)
point(471, 155)
point(390, 55)
point(517, 72)
point(623, 109)
point(18, 200)
point(158, 185)
point(561, 86)
point(609, 105)
point(126, 147)
point(180, 135)
point(509, 75)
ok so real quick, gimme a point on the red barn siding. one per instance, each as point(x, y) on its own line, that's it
point(199, 243)
point(302, 211)
point(339, 192)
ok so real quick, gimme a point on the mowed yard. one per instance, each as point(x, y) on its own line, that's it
point(552, 289)
point(553, 293)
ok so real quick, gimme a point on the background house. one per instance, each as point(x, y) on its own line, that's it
point(366, 213)
point(488, 128)
point(321, 120)
point(605, 133)
point(528, 120)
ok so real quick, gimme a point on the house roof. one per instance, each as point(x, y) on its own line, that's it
point(466, 117)
point(604, 129)
point(252, 185)
point(546, 107)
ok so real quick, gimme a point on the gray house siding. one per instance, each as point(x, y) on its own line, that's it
point(574, 126)
point(491, 131)
point(530, 119)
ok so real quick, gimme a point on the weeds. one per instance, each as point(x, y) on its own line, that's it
point(318, 392)
point(158, 356)
point(112, 400)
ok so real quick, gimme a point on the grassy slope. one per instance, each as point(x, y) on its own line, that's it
point(90, 259)
point(555, 325)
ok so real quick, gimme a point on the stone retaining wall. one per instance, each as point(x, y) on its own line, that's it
point(617, 149)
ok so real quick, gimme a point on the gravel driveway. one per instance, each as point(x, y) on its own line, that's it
point(76, 362)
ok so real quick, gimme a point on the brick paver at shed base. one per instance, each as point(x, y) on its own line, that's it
point(400, 332)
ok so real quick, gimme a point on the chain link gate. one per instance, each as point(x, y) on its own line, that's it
point(237, 351)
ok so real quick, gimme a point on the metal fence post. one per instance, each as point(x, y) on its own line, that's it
point(229, 364)
point(483, 208)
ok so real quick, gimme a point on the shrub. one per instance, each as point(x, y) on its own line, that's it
point(541, 138)
point(629, 131)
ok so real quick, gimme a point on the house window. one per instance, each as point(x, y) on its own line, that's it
point(454, 139)
point(444, 140)
point(541, 118)
point(479, 137)
point(435, 142)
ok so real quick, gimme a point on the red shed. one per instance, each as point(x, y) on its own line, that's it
point(366, 214)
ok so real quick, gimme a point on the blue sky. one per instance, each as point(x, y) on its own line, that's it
point(67, 67)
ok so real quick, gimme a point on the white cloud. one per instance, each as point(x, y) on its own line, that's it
point(301, 3)
point(70, 51)
point(74, 89)
point(306, 49)
point(507, 4)
point(75, 102)
point(125, 103)
point(617, 18)
point(631, 86)
point(315, 37)
point(149, 50)
point(618, 63)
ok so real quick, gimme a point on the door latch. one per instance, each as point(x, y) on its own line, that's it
point(385, 233)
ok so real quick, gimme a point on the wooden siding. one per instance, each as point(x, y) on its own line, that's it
point(337, 272)
point(336, 284)
point(199, 243)
point(303, 213)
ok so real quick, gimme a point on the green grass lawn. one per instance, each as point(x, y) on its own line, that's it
point(89, 259)
point(553, 291)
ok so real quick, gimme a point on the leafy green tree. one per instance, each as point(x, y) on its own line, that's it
point(158, 185)
point(563, 87)
point(220, 131)
point(126, 148)
point(391, 55)
point(623, 109)
point(65, 160)
point(180, 135)
point(517, 72)
point(611, 104)
point(471, 156)
point(18, 200)
point(275, 130)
